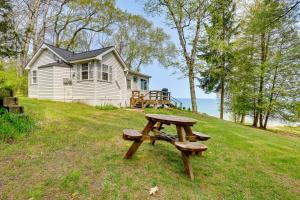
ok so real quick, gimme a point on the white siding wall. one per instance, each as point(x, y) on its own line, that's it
point(45, 83)
point(93, 92)
point(136, 85)
point(114, 92)
point(83, 91)
point(45, 57)
point(62, 92)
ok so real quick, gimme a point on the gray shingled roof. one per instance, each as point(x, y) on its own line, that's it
point(72, 56)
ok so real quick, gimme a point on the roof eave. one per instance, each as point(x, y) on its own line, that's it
point(43, 46)
point(84, 60)
point(139, 74)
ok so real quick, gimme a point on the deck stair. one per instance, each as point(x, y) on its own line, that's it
point(10, 103)
point(153, 98)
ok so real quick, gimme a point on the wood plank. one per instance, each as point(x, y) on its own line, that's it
point(148, 127)
point(136, 144)
point(131, 134)
point(172, 119)
point(190, 146)
point(165, 137)
point(181, 133)
point(201, 136)
point(134, 147)
point(187, 165)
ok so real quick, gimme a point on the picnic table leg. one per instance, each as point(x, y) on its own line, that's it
point(159, 126)
point(189, 132)
point(136, 144)
point(133, 148)
point(182, 132)
point(187, 165)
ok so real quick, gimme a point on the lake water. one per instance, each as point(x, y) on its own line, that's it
point(211, 107)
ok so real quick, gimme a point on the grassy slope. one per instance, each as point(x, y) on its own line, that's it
point(78, 151)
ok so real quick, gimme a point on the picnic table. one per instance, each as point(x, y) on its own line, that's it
point(185, 140)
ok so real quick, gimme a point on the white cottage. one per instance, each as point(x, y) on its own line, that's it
point(96, 77)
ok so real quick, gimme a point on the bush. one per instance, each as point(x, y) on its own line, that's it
point(107, 107)
point(13, 126)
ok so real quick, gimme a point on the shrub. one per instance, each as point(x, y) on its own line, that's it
point(13, 126)
point(107, 107)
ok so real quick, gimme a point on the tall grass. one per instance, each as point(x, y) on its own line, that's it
point(13, 126)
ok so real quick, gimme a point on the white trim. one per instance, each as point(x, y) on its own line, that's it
point(83, 60)
point(99, 57)
point(116, 53)
point(38, 53)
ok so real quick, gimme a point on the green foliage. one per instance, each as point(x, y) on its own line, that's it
point(217, 47)
point(72, 184)
point(107, 107)
point(14, 126)
point(140, 43)
point(257, 58)
point(10, 80)
point(8, 36)
point(78, 21)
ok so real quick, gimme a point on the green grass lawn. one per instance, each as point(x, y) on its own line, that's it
point(77, 153)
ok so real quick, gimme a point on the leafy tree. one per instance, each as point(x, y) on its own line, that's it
point(216, 49)
point(73, 18)
point(187, 18)
point(140, 43)
point(8, 36)
point(265, 81)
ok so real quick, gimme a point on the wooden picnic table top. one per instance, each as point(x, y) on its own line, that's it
point(171, 119)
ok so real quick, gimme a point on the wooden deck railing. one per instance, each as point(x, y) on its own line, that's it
point(155, 97)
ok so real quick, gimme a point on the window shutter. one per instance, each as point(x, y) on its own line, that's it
point(99, 71)
point(91, 71)
point(110, 73)
point(78, 72)
point(30, 76)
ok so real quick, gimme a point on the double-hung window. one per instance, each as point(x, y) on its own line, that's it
point(34, 77)
point(105, 73)
point(129, 84)
point(144, 84)
point(85, 71)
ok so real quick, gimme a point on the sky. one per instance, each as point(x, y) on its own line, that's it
point(162, 77)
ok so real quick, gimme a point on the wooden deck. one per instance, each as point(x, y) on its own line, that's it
point(153, 98)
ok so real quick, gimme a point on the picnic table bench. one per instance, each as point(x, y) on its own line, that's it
point(185, 140)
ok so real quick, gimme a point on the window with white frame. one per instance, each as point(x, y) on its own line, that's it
point(129, 84)
point(144, 84)
point(34, 77)
point(105, 73)
point(85, 71)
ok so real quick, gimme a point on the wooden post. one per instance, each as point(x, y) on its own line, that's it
point(181, 133)
point(136, 144)
point(187, 164)
point(188, 130)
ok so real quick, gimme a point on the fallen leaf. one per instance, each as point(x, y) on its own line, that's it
point(153, 190)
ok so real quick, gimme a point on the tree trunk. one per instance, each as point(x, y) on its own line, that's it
point(40, 35)
point(263, 44)
point(192, 89)
point(32, 19)
point(271, 98)
point(222, 98)
point(261, 120)
point(255, 120)
point(242, 119)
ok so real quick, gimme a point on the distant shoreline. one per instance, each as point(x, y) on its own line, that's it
point(210, 106)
